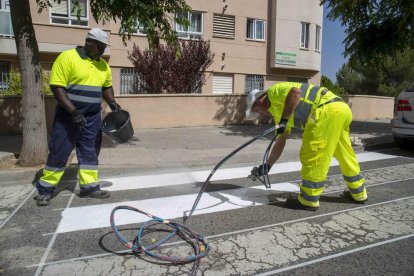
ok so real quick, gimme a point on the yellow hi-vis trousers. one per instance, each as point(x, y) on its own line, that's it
point(326, 135)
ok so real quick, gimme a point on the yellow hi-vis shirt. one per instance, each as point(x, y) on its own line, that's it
point(82, 77)
point(311, 97)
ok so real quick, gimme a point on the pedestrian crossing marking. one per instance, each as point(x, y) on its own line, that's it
point(170, 179)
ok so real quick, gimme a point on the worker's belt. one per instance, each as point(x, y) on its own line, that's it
point(337, 99)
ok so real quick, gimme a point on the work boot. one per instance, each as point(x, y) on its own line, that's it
point(347, 194)
point(43, 199)
point(293, 203)
point(98, 193)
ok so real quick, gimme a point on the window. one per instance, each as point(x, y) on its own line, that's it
point(222, 84)
point(255, 29)
point(65, 13)
point(195, 30)
point(6, 28)
point(318, 38)
point(139, 28)
point(223, 26)
point(254, 82)
point(5, 5)
point(130, 82)
point(4, 75)
point(304, 35)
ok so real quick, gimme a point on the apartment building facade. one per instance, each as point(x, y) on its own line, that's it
point(256, 43)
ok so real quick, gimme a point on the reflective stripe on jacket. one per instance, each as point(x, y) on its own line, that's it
point(311, 97)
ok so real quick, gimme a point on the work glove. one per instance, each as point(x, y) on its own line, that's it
point(114, 106)
point(263, 169)
point(77, 119)
point(282, 126)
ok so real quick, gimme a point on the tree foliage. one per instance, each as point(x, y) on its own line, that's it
point(375, 29)
point(162, 72)
point(14, 84)
point(395, 74)
point(326, 82)
point(154, 15)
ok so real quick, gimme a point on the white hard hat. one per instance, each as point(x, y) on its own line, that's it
point(99, 35)
point(250, 100)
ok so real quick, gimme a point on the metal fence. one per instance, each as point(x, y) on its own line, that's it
point(254, 82)
point(4, 76)
point(130, 82)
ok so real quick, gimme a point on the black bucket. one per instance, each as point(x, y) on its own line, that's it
point(117, 125)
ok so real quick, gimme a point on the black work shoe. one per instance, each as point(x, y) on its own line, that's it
point(347, 194)
point(293, 203)
point(43, 200)
point(95, 194)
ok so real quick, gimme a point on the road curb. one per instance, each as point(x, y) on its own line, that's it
point(381, 146)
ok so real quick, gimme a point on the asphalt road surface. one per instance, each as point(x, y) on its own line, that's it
point(247, 227)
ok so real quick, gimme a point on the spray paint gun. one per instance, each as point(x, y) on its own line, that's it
point(261, 176)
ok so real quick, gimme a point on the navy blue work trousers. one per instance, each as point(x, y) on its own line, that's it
point(65, 137)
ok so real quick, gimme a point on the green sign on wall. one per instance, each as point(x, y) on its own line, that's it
point(285, 58)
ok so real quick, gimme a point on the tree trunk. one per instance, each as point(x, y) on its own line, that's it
point(34, 148)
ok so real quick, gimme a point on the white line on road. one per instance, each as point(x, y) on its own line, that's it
point(49, 247)
point(96, 216)
point(17, 209)
point(169, 179)
point(230, 199)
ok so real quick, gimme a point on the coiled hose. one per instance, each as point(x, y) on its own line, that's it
point(199, 244)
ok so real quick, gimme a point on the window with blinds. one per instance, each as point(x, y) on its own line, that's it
point(223, 26)
point(223, 84)
point(253, 82)
point(65, 12)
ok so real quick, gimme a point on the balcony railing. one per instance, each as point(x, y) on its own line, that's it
point(6, 28)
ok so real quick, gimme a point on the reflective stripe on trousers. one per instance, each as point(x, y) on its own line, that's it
point(63, 139)
point(326, 135)
point(356, 187)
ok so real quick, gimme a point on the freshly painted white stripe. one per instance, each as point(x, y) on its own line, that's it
point(150, 181)
point(96, 216)
point(273, 272)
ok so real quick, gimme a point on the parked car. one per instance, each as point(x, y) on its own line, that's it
point(403, 122)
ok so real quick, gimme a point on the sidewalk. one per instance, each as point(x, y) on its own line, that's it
point(155, 150)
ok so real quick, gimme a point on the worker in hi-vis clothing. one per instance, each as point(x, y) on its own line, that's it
point(79, 79)
point(324, 119)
